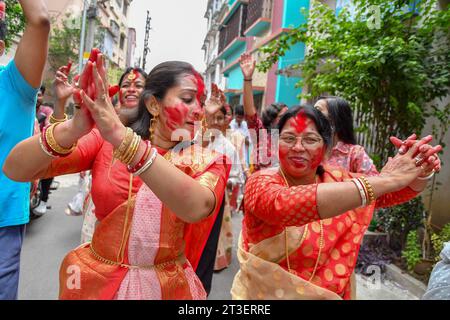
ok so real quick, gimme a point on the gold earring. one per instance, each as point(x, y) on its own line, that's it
point(153, 122)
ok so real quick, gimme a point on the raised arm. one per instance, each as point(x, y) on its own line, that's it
point(31, 54)
point(303, 204)
point(248, 64)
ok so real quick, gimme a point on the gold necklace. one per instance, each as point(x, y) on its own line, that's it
point(321, 240)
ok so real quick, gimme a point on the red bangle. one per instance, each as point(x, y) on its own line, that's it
point(143, 160)
point(46, 145)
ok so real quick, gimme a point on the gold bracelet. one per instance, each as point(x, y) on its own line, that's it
point(129, 135)
point(50, 138)
point(127, 152)
point(53, 120)
point(369, 188)
point(131, 152)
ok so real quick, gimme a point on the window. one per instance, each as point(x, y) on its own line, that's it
point(115, 29)
point(122, 41)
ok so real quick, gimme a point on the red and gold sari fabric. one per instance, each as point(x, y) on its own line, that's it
point(321, 252)
point(138, 251)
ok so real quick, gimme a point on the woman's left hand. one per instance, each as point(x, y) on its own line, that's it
point(215, 102)
point(102, 110)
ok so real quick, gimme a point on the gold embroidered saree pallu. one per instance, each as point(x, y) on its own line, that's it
point(262, 278)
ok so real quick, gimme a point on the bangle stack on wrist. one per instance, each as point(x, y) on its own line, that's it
point(128, 148)
point(147, 164)
point(53, 120)
point(49, 144)
point(365, 191)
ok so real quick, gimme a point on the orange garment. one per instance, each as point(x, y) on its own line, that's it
point(105, 263)
point(270, 206)
point(110, 180)
point(110, 184)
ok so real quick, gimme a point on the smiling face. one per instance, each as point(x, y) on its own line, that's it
point(182, 106)
point(301, 148)
point(131, 89)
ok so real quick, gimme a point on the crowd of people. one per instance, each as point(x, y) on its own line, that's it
point(168, 163)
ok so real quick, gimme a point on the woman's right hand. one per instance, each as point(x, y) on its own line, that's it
point(402, 170)
point(63, 89)
point(248, 65)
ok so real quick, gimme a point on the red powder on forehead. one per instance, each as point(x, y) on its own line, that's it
point(200, 86)
point(300, 122)
point(136, 75)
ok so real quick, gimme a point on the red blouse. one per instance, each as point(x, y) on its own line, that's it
point(270, 206)
point(110, 181)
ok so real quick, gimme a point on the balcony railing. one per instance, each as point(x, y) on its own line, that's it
point(233, 28)
point(258, 9)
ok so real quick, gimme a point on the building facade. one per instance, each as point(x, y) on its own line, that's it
point(111, 26)
point(216, 9)
point(248, 25)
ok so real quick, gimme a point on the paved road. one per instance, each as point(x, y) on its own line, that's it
point(49, 238)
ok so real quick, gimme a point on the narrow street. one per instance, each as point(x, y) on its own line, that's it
point(49, 238)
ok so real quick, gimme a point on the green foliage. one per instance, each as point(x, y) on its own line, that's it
point(388, 74)
point(64, 42)
point(412, 252)
point(15, 21)
point(399, 220)
point(438, 239)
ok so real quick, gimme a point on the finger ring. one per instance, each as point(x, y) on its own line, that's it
point(419, 160)
point(103, 97)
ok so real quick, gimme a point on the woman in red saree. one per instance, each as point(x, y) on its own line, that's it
point(137, 251)
point(304, 223)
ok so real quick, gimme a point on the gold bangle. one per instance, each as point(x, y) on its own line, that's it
point(132, 150)
point(369, 188)
point(53, 144)
point(53, 120)
point(126, 153)
point(129, 135)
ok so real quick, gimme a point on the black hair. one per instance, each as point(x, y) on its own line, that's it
point(239, 110)
point(163, 77)
point(322, 124)
point(270, 113)
point(130, 69)
point(42, 89)
point(341, 118)
point(223, 110)
point(3, 30)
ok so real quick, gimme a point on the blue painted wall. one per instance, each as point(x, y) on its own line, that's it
point(235, 78)
point(235, 54)
point(286, 91)
point(292, 15)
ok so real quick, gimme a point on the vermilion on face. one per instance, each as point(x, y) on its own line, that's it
point(182, 105)
point(299, 161)
point(131, 90)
